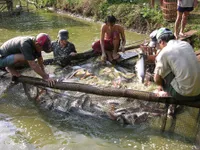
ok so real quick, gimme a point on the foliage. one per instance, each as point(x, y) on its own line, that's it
point(134, 14)
point(153, 14)
point(126, 1)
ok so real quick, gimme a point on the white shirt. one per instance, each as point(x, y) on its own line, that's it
point(179, 58)
point(186, 3)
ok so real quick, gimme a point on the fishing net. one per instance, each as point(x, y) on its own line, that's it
point(125, 111)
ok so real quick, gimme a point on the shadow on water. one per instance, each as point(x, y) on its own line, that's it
point(29, 21)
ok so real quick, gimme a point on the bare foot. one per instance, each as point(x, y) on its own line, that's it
point(116, 56)
point(176, 36)
point(181, 34)
point(13, 71)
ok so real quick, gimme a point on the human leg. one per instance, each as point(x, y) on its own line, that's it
point(177, 23)
point(17, 58)
point(184, 22)
point(116, 44)
point(109, 56)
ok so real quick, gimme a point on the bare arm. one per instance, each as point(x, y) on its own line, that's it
point(195, 3)
point(41, 64)
point(102, 34)
point(36, 67)
point(158, 79)
point(123, 38)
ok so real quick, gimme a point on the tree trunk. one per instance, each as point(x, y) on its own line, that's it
point(140, 95)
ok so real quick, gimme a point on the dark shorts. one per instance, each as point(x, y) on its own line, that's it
point(7, 61)
point(108, 46)
point(168, 88)
point(183, 9)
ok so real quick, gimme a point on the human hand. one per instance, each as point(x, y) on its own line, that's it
point(72, 54)
point(103, 57)
point(51, 81)
point(122, 49)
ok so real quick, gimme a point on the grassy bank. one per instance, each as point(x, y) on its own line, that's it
point(133, 14)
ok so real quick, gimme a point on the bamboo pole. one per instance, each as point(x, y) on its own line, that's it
point(140, 95)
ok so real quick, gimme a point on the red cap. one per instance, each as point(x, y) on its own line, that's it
point(44, 40)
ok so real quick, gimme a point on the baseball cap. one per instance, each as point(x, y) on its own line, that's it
point(163, 31)
point(63, 34)
point(157, 34)
point(153, 38)
point(44, 40)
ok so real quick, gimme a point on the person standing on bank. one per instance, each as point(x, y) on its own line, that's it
point(183, 11)
point(177, 69)
point(24, 49)
point(62, 47)
point(111, 36)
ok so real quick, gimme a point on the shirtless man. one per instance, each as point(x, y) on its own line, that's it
point(110, 38)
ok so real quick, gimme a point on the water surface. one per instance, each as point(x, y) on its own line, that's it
point(24, 125)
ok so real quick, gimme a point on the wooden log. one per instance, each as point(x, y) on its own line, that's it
point(79, 57)
point(140, 95)
point(63, 61)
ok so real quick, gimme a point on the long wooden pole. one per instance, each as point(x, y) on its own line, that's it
point(80, 56)
point(140, 95)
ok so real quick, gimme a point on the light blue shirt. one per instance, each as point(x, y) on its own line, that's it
point(186, 3)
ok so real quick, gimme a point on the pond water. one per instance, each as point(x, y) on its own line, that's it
point(24, 126)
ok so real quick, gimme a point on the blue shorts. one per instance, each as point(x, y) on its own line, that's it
point(7, 61)
point(183, 9)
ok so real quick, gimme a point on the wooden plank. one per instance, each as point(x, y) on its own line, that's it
point(127, 55)
point(188, 34)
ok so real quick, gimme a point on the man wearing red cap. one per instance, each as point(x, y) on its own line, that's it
point(21, 49)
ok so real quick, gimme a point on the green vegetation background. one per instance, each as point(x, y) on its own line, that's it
point(132, 14)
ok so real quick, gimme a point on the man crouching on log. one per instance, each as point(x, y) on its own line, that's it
point(21, 49)
point(177, 69)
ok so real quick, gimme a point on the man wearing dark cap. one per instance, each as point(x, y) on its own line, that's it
point(62, 47)
point(26, 49)
point(177, 69)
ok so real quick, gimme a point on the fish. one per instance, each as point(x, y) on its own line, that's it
point(140, 68)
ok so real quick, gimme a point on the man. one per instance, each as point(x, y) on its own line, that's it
point(26, 49)
point(177, 69)
point(110, 37)
point(183, 11)
point(62, 47)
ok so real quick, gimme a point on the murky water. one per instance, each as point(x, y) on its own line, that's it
point(23, 125)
